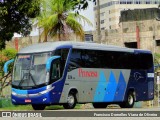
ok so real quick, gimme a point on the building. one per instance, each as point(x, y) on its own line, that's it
point(110, 10)
point(137, 24)
point(142, 25)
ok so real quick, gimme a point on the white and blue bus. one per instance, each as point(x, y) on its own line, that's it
point(66, 73)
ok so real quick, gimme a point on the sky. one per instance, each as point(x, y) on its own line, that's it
point(88, 13)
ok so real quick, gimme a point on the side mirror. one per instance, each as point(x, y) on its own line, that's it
point(5, 68)
point(49, 61)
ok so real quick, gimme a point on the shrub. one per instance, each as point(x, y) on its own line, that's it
point(6, 55)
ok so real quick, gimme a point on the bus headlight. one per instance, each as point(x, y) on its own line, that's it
point(13, 93)
point(48, 88)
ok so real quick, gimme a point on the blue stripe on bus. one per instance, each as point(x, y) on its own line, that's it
point(19, 91)
point(121, 87)
point(142, 51)
point(100, 90)
point(60, 84)
point(111, 88)
point(64, 46)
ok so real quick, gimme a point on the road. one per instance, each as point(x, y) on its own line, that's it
point(120, 111)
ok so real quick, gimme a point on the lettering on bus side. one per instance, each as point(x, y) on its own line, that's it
point(84, 73)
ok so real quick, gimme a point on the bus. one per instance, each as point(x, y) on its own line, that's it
point(67, 73)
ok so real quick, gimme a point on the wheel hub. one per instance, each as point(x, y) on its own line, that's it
point(70, 100)
point(130, 100)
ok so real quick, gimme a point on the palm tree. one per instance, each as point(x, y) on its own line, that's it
point(56, 18)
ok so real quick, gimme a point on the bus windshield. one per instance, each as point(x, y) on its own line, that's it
point(30, 70)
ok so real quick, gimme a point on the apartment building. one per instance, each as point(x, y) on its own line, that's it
point(110, 10)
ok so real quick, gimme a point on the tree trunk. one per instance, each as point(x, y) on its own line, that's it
point(45, 36)
point(59, 35)
point(98, 22)
point(39, 39)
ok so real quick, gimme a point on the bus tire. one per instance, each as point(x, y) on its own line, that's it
point(99, 105)
point(38, 107)
point(122, 105)
point(129, 103)
point(71, 101)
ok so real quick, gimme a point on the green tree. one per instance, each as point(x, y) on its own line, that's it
point(15, 17)
point(6, 55)
point(56, 18)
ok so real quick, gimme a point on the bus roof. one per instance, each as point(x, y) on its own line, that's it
point(50, 46)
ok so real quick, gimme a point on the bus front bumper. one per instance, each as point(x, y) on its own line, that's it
point(38, 96)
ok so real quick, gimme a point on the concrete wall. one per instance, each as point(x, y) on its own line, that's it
point(149, 33)
point(26, 41)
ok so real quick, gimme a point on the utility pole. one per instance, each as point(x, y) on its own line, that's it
point(158, 76)
point(98, 22)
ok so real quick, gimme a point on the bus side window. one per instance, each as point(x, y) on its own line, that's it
point(56, 72)
point(63, 53)
point(72, 66)
point(76, 58)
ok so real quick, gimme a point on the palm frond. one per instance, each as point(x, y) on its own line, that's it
point(81, 18)
point(75, 26)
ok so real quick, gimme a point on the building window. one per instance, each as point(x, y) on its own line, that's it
point(137, 1)
point(102, 21)
point(88, 37)
point(116, 2)
point(130, 44)
point(157, 42)
point(156, 2)
point(102, 14)
point(129, 1)
point(103, 28)
point(147, 1)
point(122, 1)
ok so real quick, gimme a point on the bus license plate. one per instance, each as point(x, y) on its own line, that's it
point(27, 100)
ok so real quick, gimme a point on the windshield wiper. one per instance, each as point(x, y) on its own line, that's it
point(32, 79)
point(30, 76)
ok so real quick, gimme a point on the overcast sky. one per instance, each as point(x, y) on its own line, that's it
point(88, 13)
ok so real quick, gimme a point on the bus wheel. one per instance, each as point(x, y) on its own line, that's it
point(100, 105)
point(122, 105)
point(129, 103)
point(71, 101)
point(38, 107)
